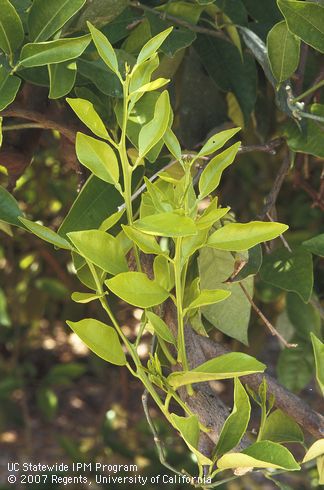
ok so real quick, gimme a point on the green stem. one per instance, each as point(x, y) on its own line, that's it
point(140, 370)
point(126, 167)
point(178, 284)
point(166, 352)
point(14, 127)
point(309, 91)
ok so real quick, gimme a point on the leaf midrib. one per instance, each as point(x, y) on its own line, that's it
point(305, 18)
point(51, 20)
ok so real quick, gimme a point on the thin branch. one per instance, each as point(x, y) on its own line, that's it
point(273, 194)
point(300, 182)
point(16, 127)
point(291, 404)
point(265, 320)
point(301, 68)
point(282, 238)
point(178, 21)
point(41, 119)
point(269, 147)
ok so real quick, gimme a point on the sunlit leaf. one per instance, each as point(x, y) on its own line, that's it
point(223, 367)
point(146, 243)
point(137, 289)
point(46, 234)
point(152, 45)
point(242, 236)
point(236, 424)
point(166, 224)
point(154, 130)
point(211, 175)
point(316, 449)
point(189, 430)
point(98, 157)
point(160, 327)
point(100, 248)
point(89, 116)
point(318, 348)
point(105, 49)
point(101, 339)
point(263, 454)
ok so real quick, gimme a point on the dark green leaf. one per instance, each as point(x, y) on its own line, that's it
point(231, 316)
point(11, 29)
point(9, 86)
point(101, 339)
point(263, 12)
point(295, 367)
point(283, 51)
point(118, 28)
point(304, 316)
point(62, 78)
point(180, 38)
point(98, 73)
point(101, 12)
point(252, 266)
point(305, 20)
point(222, 61)
point(289, 271)
point(281, 428)
point(46, 18)
point(310, 140)
point(38, 54)
point(37, 76)
point(234, 9)
point(9, 208)
point(96, 201)
point(315, 245)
